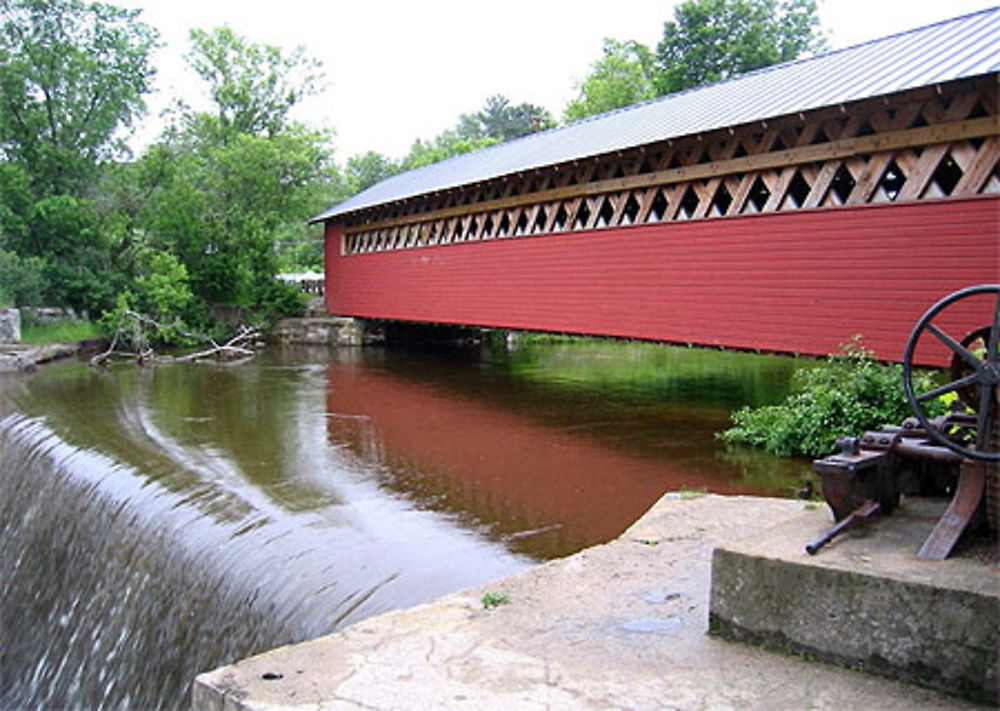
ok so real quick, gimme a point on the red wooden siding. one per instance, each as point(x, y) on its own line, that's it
point(794, 282)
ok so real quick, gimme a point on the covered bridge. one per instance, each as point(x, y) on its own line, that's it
point(783, 210)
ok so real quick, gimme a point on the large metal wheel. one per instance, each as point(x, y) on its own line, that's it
point(974, 372)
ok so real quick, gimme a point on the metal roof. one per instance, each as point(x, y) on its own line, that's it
point(953, 49)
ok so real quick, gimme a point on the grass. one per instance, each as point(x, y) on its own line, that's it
point(63, 331)
point(494, 599)
point(687, 492)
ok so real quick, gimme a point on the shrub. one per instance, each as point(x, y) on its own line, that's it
point(848, 395)
point(21, 280)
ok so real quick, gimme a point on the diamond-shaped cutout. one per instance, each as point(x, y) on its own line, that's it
point(605, 213)
point(631, 210)
point(659, 207)
point(540, 219)
point(722, 201)
point(947, 175)
point(561, 217)
point(892, 181)
point(689, 203)
point(798, 189)
point(842, 184)
point(582, 215)
point(759, 194)
point(522, 224)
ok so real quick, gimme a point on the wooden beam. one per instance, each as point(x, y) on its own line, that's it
point(924, 136)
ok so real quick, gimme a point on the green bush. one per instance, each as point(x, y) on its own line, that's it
point(21, 280)
point(848, 395)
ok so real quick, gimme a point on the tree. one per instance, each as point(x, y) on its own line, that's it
point(620, 78)
point(252, 86)
point(502, 121)
point(446, 145)
point(240, 178)
point(711, 40)
point(21, 280)
point(369, 168)
point(72, 81)
point(72, 77)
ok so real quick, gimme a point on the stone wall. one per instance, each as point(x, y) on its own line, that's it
point(324, 331)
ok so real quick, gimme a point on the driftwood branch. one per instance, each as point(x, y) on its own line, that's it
point(240, 346)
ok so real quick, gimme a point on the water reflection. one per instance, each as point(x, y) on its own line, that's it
point(552, 449)
point(544, 450)
point(310, 488)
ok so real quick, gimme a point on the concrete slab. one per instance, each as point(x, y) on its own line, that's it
point(866, 600)
point(621, 626)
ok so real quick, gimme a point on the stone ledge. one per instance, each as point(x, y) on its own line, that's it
point(865, 601)
point(617, 626)
point(319, 331)
point(22, 357)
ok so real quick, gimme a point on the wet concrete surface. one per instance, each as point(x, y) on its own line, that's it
point(621, 625)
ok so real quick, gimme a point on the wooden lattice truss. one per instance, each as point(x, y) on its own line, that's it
point(936, 142)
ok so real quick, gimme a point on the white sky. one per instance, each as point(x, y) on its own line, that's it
point(398, 70)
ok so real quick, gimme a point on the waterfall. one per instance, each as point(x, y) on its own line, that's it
point(115, 591)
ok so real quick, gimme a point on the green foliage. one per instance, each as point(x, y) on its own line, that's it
point(132, 330)
point(72, 77)
point(162, 287)
point(236, 182)
point(72, 74)
point(711, 40)
point(74, 252)
point(707, 41)
point(253, 86)
point(22, 282)
point(496, 122)
point(444, 146)
point(620, 78)
point(223, 204)
point(502, 121)
point(687, 492)
point(850, 394)
point(278, 299)
point(367, 169)
point(491, 599)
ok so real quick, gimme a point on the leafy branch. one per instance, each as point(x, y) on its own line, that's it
point(132, 338)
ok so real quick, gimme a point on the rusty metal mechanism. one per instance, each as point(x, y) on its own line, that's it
point(956, 453)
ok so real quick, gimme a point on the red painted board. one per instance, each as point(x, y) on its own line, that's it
point(799, 282)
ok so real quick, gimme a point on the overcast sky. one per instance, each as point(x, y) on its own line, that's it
point(398, 70)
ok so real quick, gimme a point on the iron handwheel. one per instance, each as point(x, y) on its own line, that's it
point(974, 374)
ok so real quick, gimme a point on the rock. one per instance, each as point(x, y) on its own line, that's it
point(10, 326)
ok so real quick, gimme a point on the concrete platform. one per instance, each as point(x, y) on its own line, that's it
point(866, 600)
point(619, 626)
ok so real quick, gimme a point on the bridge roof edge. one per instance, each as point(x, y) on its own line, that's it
point(950, 50)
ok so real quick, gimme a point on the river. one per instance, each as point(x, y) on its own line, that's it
point(158, 522)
